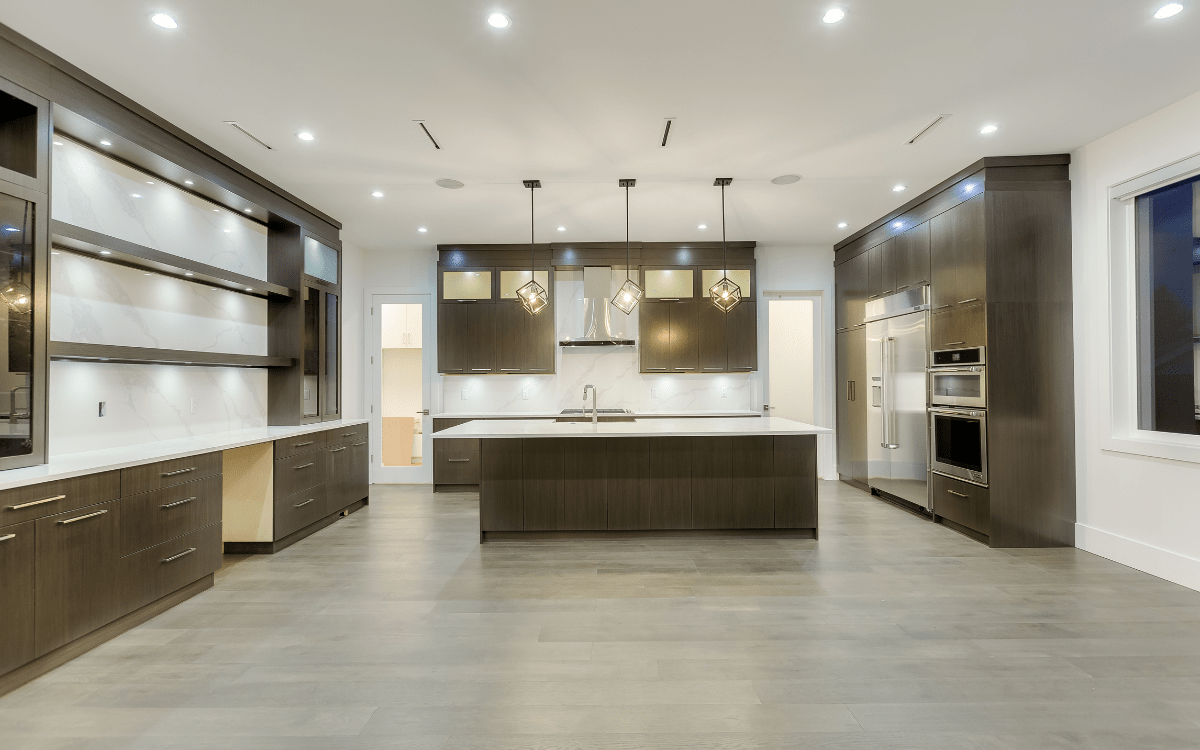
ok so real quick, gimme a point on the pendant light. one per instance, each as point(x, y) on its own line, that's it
point(630, 293)
point(17, 294)
point(533, 295)
point(725, 294)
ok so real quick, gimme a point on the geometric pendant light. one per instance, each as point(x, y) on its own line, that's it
point(630, 293)
point(533, 295)
point(725, 294)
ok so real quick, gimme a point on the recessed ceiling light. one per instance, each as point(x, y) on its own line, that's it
point(377, 194)
point(843, 225)
point(702, 226)
point(833, 15)
point(163, 20)
point(449, 184)
point(499, 21)
point(105, 143)
point(562, 229)
point(899, 189)
point(188, 182)
point(305, 136)
point(422, 230)
point(786, 179)
point(1168, 10)
point(988, 129)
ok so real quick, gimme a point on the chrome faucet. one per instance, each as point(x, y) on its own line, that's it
point(595, 414)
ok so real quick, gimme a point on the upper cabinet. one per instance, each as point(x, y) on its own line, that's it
point(669, 283)
point(482, 327)
point(466, 285)
point(511, 281)
point(911, 251)
point(958, 255)
point(852, 291)
point(681, 331)
point(881, 263)
point(24, 137)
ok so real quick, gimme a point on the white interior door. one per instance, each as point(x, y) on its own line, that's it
point(401, 370)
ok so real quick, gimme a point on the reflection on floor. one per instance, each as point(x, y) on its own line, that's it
point(395, 629)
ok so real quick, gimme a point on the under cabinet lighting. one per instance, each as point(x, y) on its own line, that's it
point(969, 187)
point(58, 143)
point(247, 210)
point(898, 224)
point(499, 21)
point(1168, 10)
point(106, 252)
point(189, 273)
point(163, 20)
point(833, 15)
point(135, 195)
point(105, 143)
point(227, 231)
point(149, 183)
point(188, 182)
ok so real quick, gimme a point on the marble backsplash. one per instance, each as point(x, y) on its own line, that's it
point(91, 190)
point(147, 403)
point(96, 302)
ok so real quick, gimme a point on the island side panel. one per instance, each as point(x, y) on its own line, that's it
point(542, 486)
point(501, 496)
point(795, 481)
point(712, 483)
point(670, 483)
point(753, 482)
point(585, 484)
point(629, 483)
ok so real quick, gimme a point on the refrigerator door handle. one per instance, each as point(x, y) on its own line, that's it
point(888, 396)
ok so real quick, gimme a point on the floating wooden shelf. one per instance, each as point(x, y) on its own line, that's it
point(92, 244)
point(136, 355)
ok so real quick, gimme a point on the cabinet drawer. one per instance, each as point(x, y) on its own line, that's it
point(296, 511)
point(345, 435)
point(153, 573)
point(300, 472)
point(152, 518)
point(963, 503)
point(294, 446)
point(46, 499)
point(455, 446)
point(76, 574)
point(960, 328)
point(17, 585)
point(456, 467)
point(156, 476)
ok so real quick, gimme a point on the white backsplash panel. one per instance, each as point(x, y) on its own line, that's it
point(95, 302)
point(147, 403)
point(91, 190)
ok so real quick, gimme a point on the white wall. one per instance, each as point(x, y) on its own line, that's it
point(1140, 511)
point(353, 396)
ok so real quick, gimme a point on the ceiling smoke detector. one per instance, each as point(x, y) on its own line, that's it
point(786, 179)
point(449, 184)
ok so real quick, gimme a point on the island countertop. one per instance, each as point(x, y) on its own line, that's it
point(695, 427)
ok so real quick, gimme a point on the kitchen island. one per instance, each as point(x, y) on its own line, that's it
point(662, 477)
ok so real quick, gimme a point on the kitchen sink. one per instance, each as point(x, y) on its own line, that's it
point(598, 411)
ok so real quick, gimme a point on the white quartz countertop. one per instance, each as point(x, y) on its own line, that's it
point(92, 462)
point(555, 414)
point(711, 427)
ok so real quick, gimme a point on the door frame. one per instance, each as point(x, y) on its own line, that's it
point(824, 366)
point(372, 380)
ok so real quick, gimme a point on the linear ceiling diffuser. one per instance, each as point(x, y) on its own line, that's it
point(533, 295)
point(725, 294)
point(630, 293)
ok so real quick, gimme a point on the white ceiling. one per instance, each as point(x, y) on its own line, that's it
point(575, 94)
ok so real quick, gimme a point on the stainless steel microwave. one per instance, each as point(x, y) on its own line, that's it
point(958, 444)
point(958, 377)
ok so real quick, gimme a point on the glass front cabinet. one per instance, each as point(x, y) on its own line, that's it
point(321, 298)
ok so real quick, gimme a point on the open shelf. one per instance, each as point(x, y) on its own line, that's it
point(137, 355)
point(113, 250)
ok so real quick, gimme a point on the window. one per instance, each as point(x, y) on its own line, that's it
point(1168, 315)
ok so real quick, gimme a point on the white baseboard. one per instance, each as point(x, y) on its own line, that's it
point(1170, 566)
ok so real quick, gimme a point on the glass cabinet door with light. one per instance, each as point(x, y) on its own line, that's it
point(321, 395)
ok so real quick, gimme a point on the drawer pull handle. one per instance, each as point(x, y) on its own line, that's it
point(177, 503)
point(965, 301)
point(6, 537)
point(339, 450)
point(349, 434)
point(539, 369)
point(954, 343)
point(302, 466)
point(459, 460)
point(177, 473)
point(355, 445)
point(185, 553)
point(306, 502)
point(941, 307)
point(481, 369)
point(83, 518)
point(301, 445)
point(685, 368)
point(37, 502)
point(956, 494)
point(656, 368)
point(510, 369)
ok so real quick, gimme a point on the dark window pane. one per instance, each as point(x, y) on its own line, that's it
point(16, 314)
point(312, 351)
point(331, 354)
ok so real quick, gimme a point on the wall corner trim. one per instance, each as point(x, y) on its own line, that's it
point(1170, 566)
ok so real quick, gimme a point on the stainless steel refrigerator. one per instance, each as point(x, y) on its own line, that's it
point(897, 421)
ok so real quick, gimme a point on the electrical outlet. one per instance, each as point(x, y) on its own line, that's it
point(102, 408)
point(525, 393)
point(724, 391)
point(464, 394)
point(195, 407)
point(653, 393)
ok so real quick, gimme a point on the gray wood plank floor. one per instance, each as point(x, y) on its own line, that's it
point(394, 628)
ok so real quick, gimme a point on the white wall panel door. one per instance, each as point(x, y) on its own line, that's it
point(400, 372)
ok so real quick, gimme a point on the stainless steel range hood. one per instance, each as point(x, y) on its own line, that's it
point(597, 286)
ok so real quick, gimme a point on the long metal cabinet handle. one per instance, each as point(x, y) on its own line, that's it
point(301, 445)
point(965, 301)
point(177, 503)
point(306, 502)
point(83, 518)
point(956, 494)
point(177, 473)
point(37, 502)
point(339, 450)
point(6, 537)
point(954, 343)
point(355, 445)
point(302, 466)
point(185, 553)
point(458, 460)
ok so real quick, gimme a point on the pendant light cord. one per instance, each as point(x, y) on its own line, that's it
point(627, 233)
point(724, 245)
point(532, 257)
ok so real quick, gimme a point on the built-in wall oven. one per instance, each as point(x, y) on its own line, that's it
point(958, 443)
point(958, 377)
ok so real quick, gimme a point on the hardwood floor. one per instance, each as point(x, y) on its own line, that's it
point(395, 629)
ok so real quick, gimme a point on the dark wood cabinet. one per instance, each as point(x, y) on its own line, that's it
point(685, 336)
point(670, 471)
point(912, 257)
point(585, 484)
point(742, 334)
point(963, 503)
point(482, 345)
point(152, 518)
point(487, 331)
point(958, 328)
point(670, 337)
point(852, 290)
point(629, 483)
point(753, 485)
point(511, 330)
point(852, 395)
point(337, 479)
point(155, 572)
point(882, 269)
point(541, 343)
point(40, 500)
point(156, 476)
point(958, 255)
point(451, 338)
point(76, 574)
point(712, 482)
point(715, 338)
point(18, 556)
point(544, 488)
point(359, 484)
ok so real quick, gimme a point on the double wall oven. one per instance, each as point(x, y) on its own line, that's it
point(958, 414)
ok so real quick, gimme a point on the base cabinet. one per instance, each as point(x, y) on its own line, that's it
point(76, 574)
point(18, 556)
point(963, 503)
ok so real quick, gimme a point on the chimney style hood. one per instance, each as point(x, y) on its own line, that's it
point(597, 286)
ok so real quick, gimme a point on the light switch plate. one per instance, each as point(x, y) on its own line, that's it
point(102, 408)
point(653, 393)
point(724, 391)
point(464, 394)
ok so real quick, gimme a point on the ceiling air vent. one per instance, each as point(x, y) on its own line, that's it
point(921, 133)
point(421, 124)
point(667, 131)
point(233, 124)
